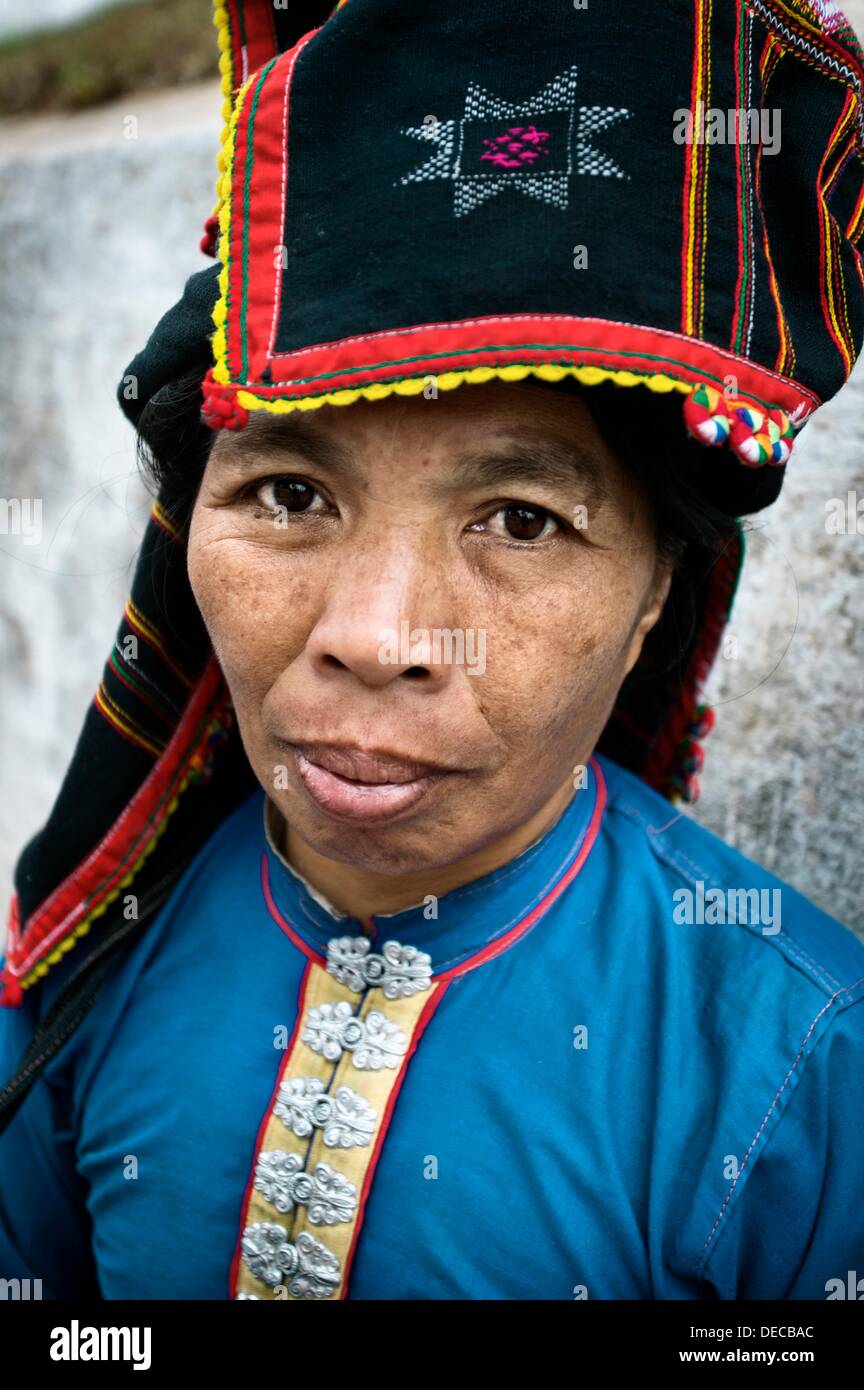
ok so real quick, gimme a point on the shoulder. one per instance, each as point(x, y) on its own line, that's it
point(713, 884)
point(761, 1015)
point(224, 871)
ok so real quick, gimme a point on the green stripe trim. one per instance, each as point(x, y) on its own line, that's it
point(148, 697)
point(518, 347)
point(169, 793)
point(247, 180)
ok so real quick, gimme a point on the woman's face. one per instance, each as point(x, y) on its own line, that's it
point(423, 609)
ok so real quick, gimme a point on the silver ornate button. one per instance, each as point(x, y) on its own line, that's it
point(399, 971)
point(374, 1042)
point(306, 1267)
point(328, 1196)
point(346, 1119)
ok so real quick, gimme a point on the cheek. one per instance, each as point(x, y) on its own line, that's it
point(257, 612)
point(556, 664)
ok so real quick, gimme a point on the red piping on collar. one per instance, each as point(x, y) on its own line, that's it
point(283, 921)
point(502, 943)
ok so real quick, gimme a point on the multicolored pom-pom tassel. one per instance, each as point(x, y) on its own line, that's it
point(756, 437)
point(707, 416)
point(761, 437)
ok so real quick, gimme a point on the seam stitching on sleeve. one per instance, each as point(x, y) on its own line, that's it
point(704, 1251)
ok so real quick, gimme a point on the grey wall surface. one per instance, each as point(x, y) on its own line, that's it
point(99, 231)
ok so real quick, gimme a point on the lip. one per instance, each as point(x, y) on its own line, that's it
point(363, 785)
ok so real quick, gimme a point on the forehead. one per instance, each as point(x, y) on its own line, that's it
point(494, 437)
point(530, 412)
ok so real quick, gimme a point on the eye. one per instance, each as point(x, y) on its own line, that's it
point(521, 522)
point(289, 494)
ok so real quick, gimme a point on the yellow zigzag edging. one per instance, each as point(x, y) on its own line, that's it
point(83, 927)
point(222, 22)
point(220, 311)
point(447, 381)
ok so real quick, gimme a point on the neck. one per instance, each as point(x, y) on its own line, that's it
point(363, 893)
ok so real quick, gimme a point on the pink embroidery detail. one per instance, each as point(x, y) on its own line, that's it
point(829, 13)
point(517, 146)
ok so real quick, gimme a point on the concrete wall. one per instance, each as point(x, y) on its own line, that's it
point(99, 231)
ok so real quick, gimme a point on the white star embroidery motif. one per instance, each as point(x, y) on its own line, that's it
point(533, 152)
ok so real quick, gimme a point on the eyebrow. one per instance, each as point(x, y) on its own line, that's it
point(289, 434)
point(548, 462)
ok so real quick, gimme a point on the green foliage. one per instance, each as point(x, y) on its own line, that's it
point(129, 48)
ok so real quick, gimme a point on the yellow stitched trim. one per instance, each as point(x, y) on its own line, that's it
point(115, 715)
point(321, 988)
point(165, 521)
point(222, 22)
point(375, 1087)
point(447, 381)
point(802, 19)
point(220, 341)
point(150, 634)
point(83, 927)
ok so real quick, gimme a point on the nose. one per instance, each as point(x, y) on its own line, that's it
point(383, 612)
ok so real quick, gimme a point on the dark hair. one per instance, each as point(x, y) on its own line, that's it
point(174, 443)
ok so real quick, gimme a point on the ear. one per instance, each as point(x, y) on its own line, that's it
point(654, 601)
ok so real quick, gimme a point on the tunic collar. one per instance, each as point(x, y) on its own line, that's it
point(462, 928)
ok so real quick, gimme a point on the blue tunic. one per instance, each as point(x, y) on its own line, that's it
point(620, 1092)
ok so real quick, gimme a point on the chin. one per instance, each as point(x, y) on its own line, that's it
point(406, 848)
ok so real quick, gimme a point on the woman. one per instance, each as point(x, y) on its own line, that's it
point(363, 955)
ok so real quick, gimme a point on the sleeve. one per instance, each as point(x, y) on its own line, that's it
point(44, 1223)
point(797, 1229)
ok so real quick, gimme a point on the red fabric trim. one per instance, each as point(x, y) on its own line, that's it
point(13, 995)
point(268, 192)
point(259, 1138)
point(88, 884)
point(495, 948)
point(419, 1028)
point(261, 43)
point(233, 356)
point(662, 764)
point(13, 923)
point(497, 341)
point(279, 919)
